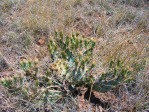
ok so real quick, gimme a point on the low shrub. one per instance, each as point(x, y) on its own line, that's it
point(71, 67)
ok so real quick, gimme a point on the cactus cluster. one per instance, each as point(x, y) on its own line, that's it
point(72, 56)
point(32, 86)
point(118, 73)
point(72, 62)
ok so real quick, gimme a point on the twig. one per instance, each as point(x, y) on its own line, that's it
point(90, 90)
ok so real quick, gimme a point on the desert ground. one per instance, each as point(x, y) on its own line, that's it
point(32, 81)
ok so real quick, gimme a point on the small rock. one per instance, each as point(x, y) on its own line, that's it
point(41, 41)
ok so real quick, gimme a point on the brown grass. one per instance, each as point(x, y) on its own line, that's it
point(120, 29)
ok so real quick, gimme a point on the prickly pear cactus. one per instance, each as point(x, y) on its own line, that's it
point(117, 75)
point(32, 85)
point(72, 56)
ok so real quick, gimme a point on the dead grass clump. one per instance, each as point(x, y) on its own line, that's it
point(123, 17)
point(43, 17)
point(131, 49)
point(16, 41)
point(127, 49)
point(5, 5)
point(142, 24)
point(135, 3)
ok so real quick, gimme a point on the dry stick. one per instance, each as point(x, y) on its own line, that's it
point(91, 90)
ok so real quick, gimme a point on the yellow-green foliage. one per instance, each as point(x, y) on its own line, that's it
point(72, 56)
point(72, 63)
point(117, 74)
point(32, 86)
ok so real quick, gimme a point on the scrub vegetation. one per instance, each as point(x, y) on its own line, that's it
point(74, 56)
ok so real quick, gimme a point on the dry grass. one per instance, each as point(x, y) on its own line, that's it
point(120, 28)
